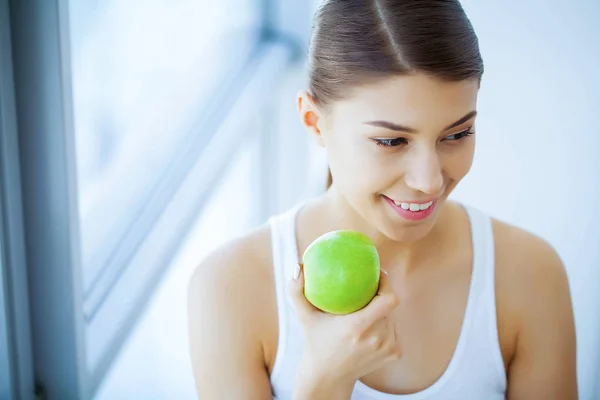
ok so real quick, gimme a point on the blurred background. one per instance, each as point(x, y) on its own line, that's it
point(136, 136)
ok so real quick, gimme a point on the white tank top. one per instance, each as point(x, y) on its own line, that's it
point(476, 370)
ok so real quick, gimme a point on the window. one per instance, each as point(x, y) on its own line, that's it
point(143, 73)
point(128, 113)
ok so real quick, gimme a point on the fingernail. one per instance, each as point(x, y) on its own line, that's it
point(296, 271)
point(384, 271)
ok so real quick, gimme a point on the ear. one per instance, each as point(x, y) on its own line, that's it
point(310, 115)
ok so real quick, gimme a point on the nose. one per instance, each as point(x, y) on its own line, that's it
point(424, 172)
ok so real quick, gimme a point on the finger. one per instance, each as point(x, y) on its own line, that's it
point(384, 302)
point(296, 293)
point(379, 327)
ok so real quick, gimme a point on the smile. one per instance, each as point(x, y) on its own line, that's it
point(414, 206)
point(413, 211)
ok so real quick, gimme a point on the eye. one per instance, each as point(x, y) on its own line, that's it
point(391, 142)
point(460, 135)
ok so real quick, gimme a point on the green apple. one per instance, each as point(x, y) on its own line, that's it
point(341, 271)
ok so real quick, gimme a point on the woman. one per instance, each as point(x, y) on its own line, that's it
point(469, 307)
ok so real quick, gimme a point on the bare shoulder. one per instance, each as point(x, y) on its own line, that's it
point(535, 314)
point(242, 256)
point(526, 262)
point(236, 276)
point(232, 318)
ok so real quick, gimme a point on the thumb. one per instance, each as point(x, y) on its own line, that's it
point(303, 307)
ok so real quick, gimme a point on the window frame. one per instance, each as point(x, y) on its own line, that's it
point(16, 364)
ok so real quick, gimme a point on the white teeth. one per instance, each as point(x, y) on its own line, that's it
point(425, 206)
point(413, 206)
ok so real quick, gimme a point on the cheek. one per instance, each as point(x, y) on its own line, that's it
point(355, 164)
point(457, 162)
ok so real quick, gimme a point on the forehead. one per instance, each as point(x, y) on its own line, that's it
point(418, 101)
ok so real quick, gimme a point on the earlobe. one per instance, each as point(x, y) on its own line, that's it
point(309, 115)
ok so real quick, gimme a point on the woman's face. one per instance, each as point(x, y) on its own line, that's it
point(399, 146)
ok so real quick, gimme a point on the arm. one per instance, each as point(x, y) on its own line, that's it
point(228, 297)
point(225, 347)
point(544, 363)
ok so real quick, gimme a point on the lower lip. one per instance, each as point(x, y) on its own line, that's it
point(411, 215)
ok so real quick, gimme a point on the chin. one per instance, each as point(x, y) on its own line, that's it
point(407, 233)
point(399, 229)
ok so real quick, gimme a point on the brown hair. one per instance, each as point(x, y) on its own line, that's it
point(361, 41)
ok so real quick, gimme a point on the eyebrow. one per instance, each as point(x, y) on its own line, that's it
point(395, 127)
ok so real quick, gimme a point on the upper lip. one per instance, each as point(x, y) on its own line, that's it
point(413, 201)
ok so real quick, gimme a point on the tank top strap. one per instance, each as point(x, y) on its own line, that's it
point(285, 256)
point(483, 251)
point(484, 260)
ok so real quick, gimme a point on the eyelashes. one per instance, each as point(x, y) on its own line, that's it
point(395, 142)
point(461, 135)
point(390, 142)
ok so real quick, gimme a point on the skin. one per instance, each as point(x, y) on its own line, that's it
point(231, 302)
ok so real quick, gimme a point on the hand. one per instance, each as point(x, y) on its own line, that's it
point(339, 349)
